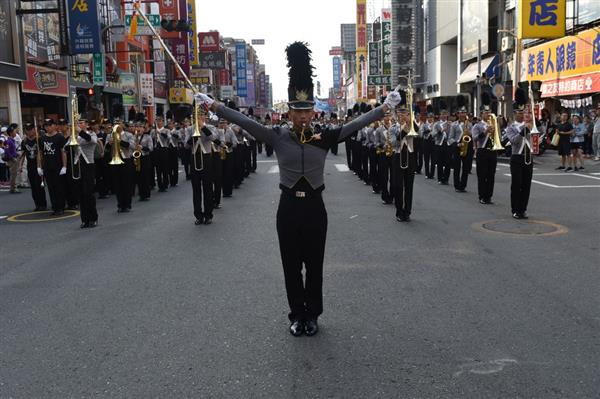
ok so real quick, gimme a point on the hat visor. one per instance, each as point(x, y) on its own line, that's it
point(301, 104)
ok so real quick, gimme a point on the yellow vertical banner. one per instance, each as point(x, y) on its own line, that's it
point(542, 19)
point(193, 36)
point(361, 50)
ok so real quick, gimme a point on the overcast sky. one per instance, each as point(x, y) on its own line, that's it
point(281, 22)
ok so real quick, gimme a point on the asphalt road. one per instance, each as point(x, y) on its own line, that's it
point(150, 305)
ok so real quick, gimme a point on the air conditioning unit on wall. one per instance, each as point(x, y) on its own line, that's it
point(508, 43)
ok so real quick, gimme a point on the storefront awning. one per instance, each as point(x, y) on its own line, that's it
point(470, 73)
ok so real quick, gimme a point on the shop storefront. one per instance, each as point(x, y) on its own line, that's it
point(568, 71)
point(12, 64)
point(44, 94)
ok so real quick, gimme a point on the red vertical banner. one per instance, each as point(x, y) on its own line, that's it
point(223, 77)
point(169, 10)
point(179, 48)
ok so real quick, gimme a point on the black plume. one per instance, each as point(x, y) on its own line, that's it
point(251, 111)
point(368, 108)
point(355, 108)
point(443, 106)
point(268, 117)
point(349, 114)
point(461, 101)
point(322, 114)
point(521, 96)
point(430, 109)
point(301, 70)
point(486, 99)
point(363, 108)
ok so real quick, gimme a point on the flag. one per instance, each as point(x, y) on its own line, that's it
point(133, 26)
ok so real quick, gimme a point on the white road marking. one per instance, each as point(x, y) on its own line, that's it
point(589, 177)
point(353, 216)
point(342, 167)
point(595, 173)
point(274, 169)
point(267, 161)
point(554, 185)
point(3, 217)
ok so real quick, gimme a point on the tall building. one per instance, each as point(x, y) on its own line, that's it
point(12, 63)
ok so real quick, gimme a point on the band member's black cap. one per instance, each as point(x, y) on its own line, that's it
point(49, 122)
point(461, 103)
point(486, 100)
point(300, 88)
point(430, 111)
point(520, 100)
point(29, 126)
point(62, 122)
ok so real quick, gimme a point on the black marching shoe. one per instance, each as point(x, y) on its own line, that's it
point(208, 220)
point(296, 328)
point(311, 327)
point(198, 222)
point(93, 224)
point(516, 215)
point(84, 225)
point(524, 215)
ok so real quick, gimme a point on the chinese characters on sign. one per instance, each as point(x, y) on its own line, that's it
point(240, 62)
point(337, 74)
point(589, 83)
point(386, 41)
point(361, 49)
point(214, 60)
point(374, 58)
point(147, 89)
point(561, 58)
point(542, 18)
point(379, 80)
point(83, 27)
point(179, 48)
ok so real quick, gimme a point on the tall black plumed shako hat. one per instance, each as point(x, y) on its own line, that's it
point(520, 100)
point(300, 88)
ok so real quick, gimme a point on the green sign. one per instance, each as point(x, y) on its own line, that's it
point(142, 28)
point(98, 72)
point(386, 44)
point(379, 80)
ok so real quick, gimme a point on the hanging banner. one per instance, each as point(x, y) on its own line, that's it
point(386, 41)
point(361, 48)
point(542, 19)
point(84, 28)
point(240, 62)
point(337, 74)
point(586, 84)
point(179, 48)
point(562, 58)
point(192, 38)
point(98, 69)
point(129, 87)
point(147, 89)
point(374, 53)
point(181, 96)
point(47, 81)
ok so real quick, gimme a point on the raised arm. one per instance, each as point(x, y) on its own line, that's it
point(254, 128)
point(364, 120)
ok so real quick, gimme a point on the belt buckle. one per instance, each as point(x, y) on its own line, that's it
point(300, 194)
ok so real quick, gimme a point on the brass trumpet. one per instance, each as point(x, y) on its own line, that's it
point(465, 139)
point(409, 104)
point(73, 143)
point(137, 154)
point(496, 142)
point(196, 137)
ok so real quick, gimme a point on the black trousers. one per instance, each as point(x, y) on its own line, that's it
point(123, 177)
point(35, 182)
point(162, 158)
point(461, 167)
point(486, 172)
point(404, 179)
point(72, 186)
point(217, 177)
point(173, 166)
point(202, 192)
point(247, 166)
point(373, 176)
point(348, 147)
point(428, 161)
point(56, 189)
point(101, 186)
point(144, 177)
point(238, 165)
point(334, 149)
point(520, 184)
point(418, 147)
point(356, 162)
point(228, 167)
point(302, 231)
point(442, 161)
point(154, 158)
point(186, 158)
point(364, 160)
point(385, 178)
point(253, 155)
point(87, 199)
point(259, 147)
point(268, 150)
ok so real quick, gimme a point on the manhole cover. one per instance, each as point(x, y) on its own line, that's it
point(522, 227)
point(44, 216)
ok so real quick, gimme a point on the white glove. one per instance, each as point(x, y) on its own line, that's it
point(392, 100)
point(63, 171)
point(204, 99)
point(40, 172)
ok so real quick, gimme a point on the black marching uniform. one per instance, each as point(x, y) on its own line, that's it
point(30, 152)
point(85, 159)
point(202, 174)
point(52, 164)
point(404, 165)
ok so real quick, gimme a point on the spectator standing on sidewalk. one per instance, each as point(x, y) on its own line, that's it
point(565, 129)
point(3, 170)
point(12, 159)
point(577, 141)
point(589, 129)
point(596, 135)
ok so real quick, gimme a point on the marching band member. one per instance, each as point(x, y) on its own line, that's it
point(201, 168)
point(32, 153)
point(372, 153)
point(72, 180)
point(123, 174)
point(230, 142)
point(219, 154)
point(427, 143)
point(486, 157)
point(145, 145)
point(84, 156)
point(521, 161)
point(441, 152)
point(54, 166)
point(458, 139)
point(404, 163)
point(301, 218)
point(173, 150)
point(162, 136)
point(183, 153)
point(383, 141)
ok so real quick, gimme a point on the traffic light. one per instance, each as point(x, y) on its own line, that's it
point(91, 91)
point(171, 25)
